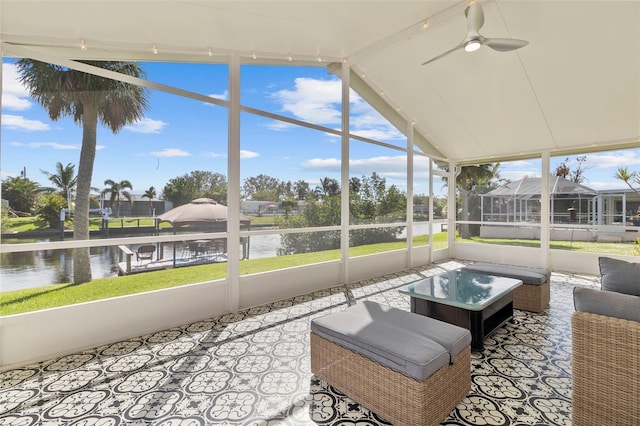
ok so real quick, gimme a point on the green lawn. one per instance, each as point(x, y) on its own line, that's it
point(32, 299)
point(33, 223)
point(22, 224)
point(18, 301)
point(629, 249)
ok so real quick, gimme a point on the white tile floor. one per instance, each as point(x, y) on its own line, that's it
point(252, 368)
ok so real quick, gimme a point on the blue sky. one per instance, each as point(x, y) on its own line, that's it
point(179, 135)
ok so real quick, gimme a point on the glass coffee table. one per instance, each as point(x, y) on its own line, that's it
point(480, 303)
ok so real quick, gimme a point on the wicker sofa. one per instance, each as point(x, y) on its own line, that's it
point(606, 348)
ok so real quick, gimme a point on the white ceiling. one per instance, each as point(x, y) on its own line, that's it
point(576, 86)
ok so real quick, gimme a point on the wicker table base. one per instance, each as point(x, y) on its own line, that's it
point(393, 396)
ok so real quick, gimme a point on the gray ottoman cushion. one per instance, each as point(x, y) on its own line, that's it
point(528, 275)
point(453, 338)
point(620, 276)
point(391, 337)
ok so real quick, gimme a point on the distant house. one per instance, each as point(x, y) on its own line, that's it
point(139, 206)
point(519, 201)
point(266, 207)
point(570, 203)
point(255, 207)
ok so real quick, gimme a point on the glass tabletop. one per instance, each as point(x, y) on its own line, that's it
point(467, 290)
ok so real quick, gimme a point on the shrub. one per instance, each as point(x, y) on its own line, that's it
point(48, 209)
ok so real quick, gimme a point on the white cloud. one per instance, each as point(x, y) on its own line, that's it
point(171, 152)
point(53, 145)
point(389, 166)
point(312, 100)
point(248, 154)
point(222, 96)
point(318, 101)
point(14, 95)
point(326, 164)
point(613, 159)
point(146, 125)
point(211, 155)
point(279, 126)
point(380, 133)
point(514, 175)
point(384, 165)
point(18, 122)
point(421, 164)
point(11, 101)
point(519, 164)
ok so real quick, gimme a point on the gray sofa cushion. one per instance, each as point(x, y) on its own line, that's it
point(528, 275)
point(394, 338)
point(620, 276)
point(609, 303)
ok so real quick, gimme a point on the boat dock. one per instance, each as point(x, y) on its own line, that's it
point(190, 253)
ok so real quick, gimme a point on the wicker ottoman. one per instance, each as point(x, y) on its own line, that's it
point(409, 369)
point(534, 293)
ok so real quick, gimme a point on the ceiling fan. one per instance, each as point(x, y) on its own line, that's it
point(473, 40)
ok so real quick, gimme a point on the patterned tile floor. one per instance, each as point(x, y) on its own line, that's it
point(252, 368)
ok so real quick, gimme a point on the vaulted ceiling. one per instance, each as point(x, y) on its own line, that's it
point(575, 87)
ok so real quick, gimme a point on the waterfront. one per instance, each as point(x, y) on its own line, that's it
point(30, 269)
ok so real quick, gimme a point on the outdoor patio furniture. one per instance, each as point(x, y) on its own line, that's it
point(198, 248)
point(533, 295)
point(606, 348)
point(478, 302)
point(145, 252)
point(410, 369)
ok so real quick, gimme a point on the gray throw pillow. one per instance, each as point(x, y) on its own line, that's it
point(620, 276)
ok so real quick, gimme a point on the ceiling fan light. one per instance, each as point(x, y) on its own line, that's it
point(472, 45)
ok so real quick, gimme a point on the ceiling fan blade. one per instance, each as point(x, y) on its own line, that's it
point(505, 44)
point(460, 46)
point(475, 17)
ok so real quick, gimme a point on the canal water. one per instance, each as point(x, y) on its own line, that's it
point(44, 267)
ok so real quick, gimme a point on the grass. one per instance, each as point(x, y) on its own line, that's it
point(33, 223)
point(23, 224)
point(27, 300)
point(32, 299)
point(628, 249)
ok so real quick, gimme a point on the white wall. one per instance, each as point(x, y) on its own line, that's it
point(266, 287)
point(558, 260)
point(510, 255)
point(41, 335)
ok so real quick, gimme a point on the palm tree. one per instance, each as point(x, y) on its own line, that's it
point(469, 180)
point(64, 179)
point(329, 187)
point(88, 99)
point(150, 194)
point(115, 190)
point(623, 174)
